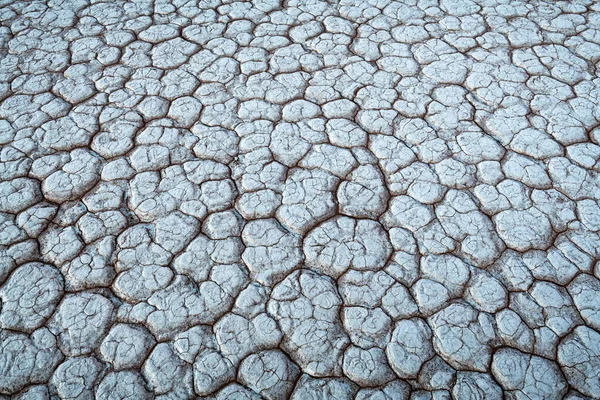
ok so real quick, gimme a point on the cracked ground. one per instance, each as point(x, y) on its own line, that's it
point(344, 199)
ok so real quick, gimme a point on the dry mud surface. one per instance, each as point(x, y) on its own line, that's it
point(345, 199)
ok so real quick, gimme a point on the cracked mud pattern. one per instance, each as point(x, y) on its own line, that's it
point(345, 199)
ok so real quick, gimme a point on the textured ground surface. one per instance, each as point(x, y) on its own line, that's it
point(353, 199)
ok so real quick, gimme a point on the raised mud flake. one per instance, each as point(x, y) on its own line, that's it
point(462, 336)
point(336, 161)
point(436, 374)
point(364, 288)
point(27, 359)
point(367, 327)
point(167, 374)
point(363, 194)
point(126, 346)
point(30, 296)
point(530, 376)
point(36, 218)
point(11, 233)
point(398, 303)
point(35, 392)
point(579, 357)
point(408, 213)
point(220, 145)
point(212, 371)
point(271, 251)
point(19, 194)
point(308, 199)
point(367, 367)
point(306, 306)
point(93, 267)
point(343, 243)
point(203, 255)
point(259, 204)
point(101, 224)
point(136, 249)
point(524, 230)
point(194, 188)
point(410, 347)
point(183, 303)
point(448, 270)
point(430, 296)
point(140, 283)
point(236, 391)
point(486, 293)
point(81, 321)
point(59, 245)
point(397, 389)
point(461, 218)
point(270, 373)
point(560, 315)
point(121, 385)
point(76, 377)
point(75, 178)
point(345, 133)
point(584, 290)
point(238, 337)
point(309, 387)
point(514, 331)
point(476, 384)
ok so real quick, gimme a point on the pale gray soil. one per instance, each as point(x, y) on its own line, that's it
point(344, 199)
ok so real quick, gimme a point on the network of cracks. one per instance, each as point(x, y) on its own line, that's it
point(305, 199)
